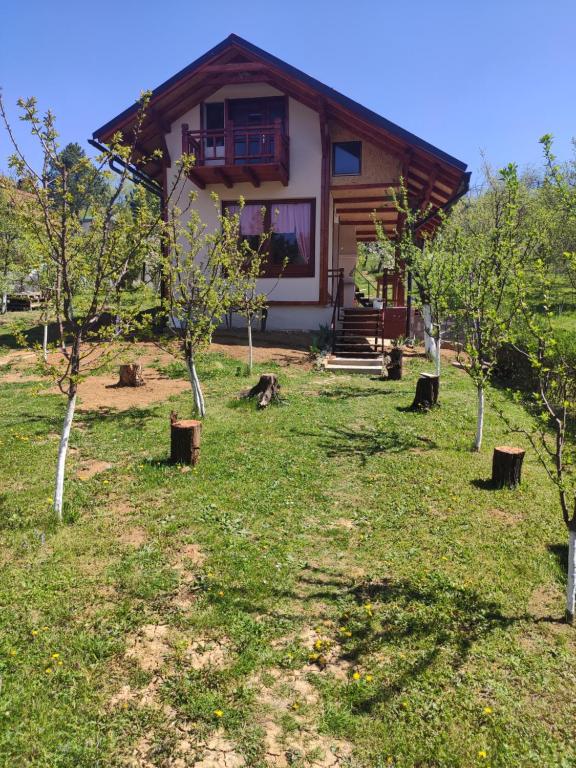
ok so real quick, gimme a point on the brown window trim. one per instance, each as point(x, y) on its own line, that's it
point(275, 270)
point(349, 141)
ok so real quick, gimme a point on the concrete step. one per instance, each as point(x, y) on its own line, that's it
point(354, 365)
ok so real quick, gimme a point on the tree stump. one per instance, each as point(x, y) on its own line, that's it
point(265, 391)
point(427, 389)
point(394, 367)
point(507, 466)
point(184, 440)
point(131, 376)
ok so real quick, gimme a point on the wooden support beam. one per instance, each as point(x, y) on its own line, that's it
point(244, 66)
point(387, 209)
point(223, 176)
point(349, 200)
point(194, 177)
point(252, 175)
point(324, 204)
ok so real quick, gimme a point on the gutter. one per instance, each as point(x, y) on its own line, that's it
point(137, 176)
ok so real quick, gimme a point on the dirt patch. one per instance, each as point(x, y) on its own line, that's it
point(149, 647)
point(508, 518)
point(189, 555)
point(133, 537)
point(546, 601)
point(202, 654)
point(90, 468)
point(96, 392)
point(291, 692)
point(17, 378)
point(218, 752)
point(344, 522)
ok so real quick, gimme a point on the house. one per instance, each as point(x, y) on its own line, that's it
point(321, 164)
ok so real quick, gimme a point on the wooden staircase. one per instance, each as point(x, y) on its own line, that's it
point(358, 343)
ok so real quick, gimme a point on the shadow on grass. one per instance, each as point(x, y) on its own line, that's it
point(429, 623)
point(367, 442)
point(132, 418)
point(350, 392)
point(560, 552)
point(484, 484)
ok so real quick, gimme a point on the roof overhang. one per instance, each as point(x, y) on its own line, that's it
point(433, 176)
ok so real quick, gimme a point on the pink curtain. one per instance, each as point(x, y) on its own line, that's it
point(251, 219)
point(294, 218)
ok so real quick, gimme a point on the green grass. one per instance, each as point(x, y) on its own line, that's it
point(336, 516)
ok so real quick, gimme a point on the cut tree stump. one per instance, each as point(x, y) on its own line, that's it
point(427, 389)
point(507, 466)
point(185, 437)
point(130, 376)
point(265, 391)
point(394, 367)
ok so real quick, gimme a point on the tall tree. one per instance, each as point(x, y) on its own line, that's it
point(86, 183)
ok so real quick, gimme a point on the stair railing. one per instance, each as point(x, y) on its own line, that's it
point(336, 277)
point(356, 272)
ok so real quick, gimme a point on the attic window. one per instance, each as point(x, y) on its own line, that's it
point(347, 158)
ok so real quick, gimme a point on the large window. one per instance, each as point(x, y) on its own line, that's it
point(290, 247)
point(347, 158)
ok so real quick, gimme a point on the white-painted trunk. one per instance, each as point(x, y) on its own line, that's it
point(571, 585)
point(45, 343)
point(196, 389)
point(62, 453)
point(479, 418)
point(438, 343)
point(4, 303)
point(250, 351)
point(429, 342)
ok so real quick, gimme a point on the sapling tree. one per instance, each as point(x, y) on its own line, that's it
point(202, 269)
point(415, 252)
point(493, 246)
point(93, 303)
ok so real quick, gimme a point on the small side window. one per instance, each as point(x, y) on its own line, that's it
point(347, 158)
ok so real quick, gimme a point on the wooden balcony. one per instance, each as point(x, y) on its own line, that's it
point(238, 154)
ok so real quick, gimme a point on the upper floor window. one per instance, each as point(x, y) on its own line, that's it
point(346, 158)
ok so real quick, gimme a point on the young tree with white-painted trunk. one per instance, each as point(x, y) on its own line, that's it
point(493, 246)
point(92, 297)
point(202, 269)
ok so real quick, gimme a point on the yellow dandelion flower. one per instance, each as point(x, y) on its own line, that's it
point(48, 670)
point(60, 663)
point(368, 678)
point(488, 710)
point(218, 713)
point(296, 705)
point(34, 632)
point(356, 676)
point(318, 644)
point(105, 482)
point(13, 652)
point(482, 754)
point(220, 593)
point(45, 628)
point(55, 655)
point(405, 704)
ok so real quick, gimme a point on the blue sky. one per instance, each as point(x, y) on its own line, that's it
point(469, 76)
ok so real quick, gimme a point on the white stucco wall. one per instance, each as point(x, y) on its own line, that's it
point(304, 182)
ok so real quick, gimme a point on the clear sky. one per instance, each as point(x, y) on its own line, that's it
point(466, 75)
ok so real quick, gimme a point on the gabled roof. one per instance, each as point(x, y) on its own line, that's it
point(234, 41)
point(431, 174)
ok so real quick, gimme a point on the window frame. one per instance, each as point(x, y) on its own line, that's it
point(275, 270)
point(347, 173)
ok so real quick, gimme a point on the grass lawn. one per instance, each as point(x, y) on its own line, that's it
point(333, 585)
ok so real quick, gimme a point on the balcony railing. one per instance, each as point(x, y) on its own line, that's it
point(237, 153)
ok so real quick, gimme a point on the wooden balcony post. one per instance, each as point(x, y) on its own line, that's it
point(278, 140)
point(185, 147)
point(229, 150)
